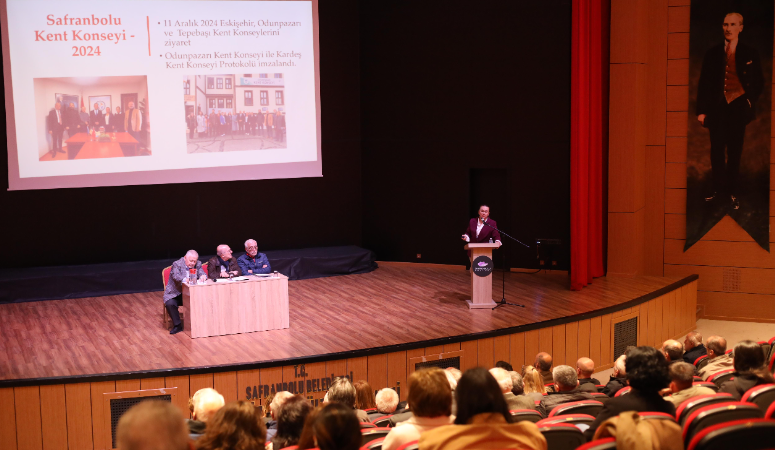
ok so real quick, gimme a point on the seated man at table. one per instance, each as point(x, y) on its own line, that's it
point(252, 262)
point(173, 293)
point(222, 265)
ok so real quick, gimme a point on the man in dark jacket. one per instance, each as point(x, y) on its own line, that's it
point(618, 378)
point(566, 386)
point(730, 83)
point(585, 367)
point(694, 347)
point(222, 265)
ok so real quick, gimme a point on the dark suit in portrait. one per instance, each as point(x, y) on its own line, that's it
point(485, 234)
point(118, 119)
point(56, 125)
point(96, 119)
point(729, 86)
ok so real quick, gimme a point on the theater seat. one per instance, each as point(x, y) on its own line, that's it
point(531, 415)
point(715, 414)
point(722, 376)
point(371, 434)
point(600, 444)
point(376, 444)
point(383, 421)
point(562, 436)
point(762, 396)
point(572, 419)
point(413, 445)
point(706, 384)
point(591, 407)
point(746, 434)
point(600, 387)
point(599, 396)
point(770, 413)
point(688, 406)
point(653, 415)
point(772, 362)
point(701, 362)
point(292, 447)
point(623, 391)
point(367, 425)
point(165, 278)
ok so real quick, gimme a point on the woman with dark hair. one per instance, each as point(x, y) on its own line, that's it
point(290, 422)
point(364, 396)
point(647, 374)
point(237, 425)
point(749, 370)
point(333, 427)
point(483, 420)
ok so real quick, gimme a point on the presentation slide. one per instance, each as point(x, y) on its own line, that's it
point(120, 92)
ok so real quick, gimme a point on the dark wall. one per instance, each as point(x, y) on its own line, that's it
point(75, 226)
point(447, 87)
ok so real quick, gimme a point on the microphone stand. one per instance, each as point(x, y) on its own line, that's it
point(503, 301)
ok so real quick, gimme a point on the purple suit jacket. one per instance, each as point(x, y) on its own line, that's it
point(485, 234)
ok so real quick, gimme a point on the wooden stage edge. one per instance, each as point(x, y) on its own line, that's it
point(663, 313)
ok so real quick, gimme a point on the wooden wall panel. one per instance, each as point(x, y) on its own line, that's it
point(97, 409)
point(606, 349)
point(677, 72)
point(152, 383)
point(719, 253)
point(378, 371)
point(358, 367)
point(486, 353)
point(501, 350)
point(643, 321)
point(678, 20)
point(594, 340)
point(532, 346)
point(675, 201)
point(747, 307)
point(28, 422)
point(470, 355)
point(545, 340)
point(315, 389)
point(181, 400)
point(584, 340)
point(517, 350)
point(624, 229)
point(725, 230)
point(226, 384)
point(53, 417)
point(675, 175)
point(747, 280)
point(247, 380)
point(654, 212)
point(558, 345)
point(130, 385)
point(676, 124)
point(675, 149)
point(678, 46)
point(451, 347)
point(196, 382)
point(396, 372)
point(7, 420)
point(435, 350)
point(656, 73)
point(628, 31)
point(571, 343)
point(677, 98)
point(79, 418)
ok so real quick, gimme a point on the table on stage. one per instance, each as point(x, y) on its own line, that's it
point(81, 146)
point(231, 307)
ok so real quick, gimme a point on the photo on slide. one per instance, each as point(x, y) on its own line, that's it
point(115, 125)
point(234, 112)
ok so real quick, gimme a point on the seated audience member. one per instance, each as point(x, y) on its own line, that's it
point(566, 389)
point(694, 347)
point(204, 404)
point(430, 399)
point(332, 427)
point(647, 374)
point(585, 367)
point(534, 383)
point(173, 292)
point(517, 385)
point(364, 399)
point(673, 351)
point(237, 425)
point(453, 376)
point(152, 425)
point(222, 265)
point(387, 401)
point(632, 432)
point(717, 360)
point(290, 422)
point(682, 376)
point(750, 370)
point(543, 363)
point(506, 384)
point(252, 262)
point(618, 377)
point(342, 391)
point(278, 401)
point(504, 365)
point(483, 420)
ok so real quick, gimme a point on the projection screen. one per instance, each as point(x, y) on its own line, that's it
point(119, 92)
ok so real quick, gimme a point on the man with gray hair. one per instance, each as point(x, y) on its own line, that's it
point(506, 384)
point(173, 291)
point(204, 404)
point(222, 265)
point(343, 391)
point(387, 401)
point(718, 360)
point(673, 351)
point(681, 386)
point(618, 378)
point(566, 388)
point(274, 410)
point(252, 262)
point(152, 425)
point(694, 347)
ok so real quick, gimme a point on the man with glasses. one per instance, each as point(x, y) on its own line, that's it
point(252, 262)
point(222, 265)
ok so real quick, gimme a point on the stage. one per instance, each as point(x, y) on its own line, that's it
point(398, 307)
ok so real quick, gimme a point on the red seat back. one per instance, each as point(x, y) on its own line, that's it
point(376, 444)
point(412, 445)
point(572, 419)
point(762, 396)
point(562, 436)
point(591, 407)
point(736, 434)
point(623, 391)
point(165, 275)
point(371, 434)
point(530, 415)
point(599, 444)
point(690, 405)
point(770, 413)
point(718, 413)
point(383, 421)
point(701, 358)
point(706, 384)
point(722, 376)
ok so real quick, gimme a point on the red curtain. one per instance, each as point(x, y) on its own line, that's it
point(589, 139)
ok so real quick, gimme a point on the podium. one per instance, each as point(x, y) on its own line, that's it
point(481, 284)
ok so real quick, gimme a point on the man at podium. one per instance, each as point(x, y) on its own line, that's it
point(482, 229)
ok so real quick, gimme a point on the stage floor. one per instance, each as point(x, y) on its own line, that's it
point(399, 303)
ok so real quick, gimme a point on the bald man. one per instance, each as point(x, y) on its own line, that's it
point(717, 357)
point(223, 265)
point(543, 363)
point(152, 425)
point(673, 351)
point(585, 367)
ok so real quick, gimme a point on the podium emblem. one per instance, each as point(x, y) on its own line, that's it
point(482, 266)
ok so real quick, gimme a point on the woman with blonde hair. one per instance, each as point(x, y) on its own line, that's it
point(534, 383)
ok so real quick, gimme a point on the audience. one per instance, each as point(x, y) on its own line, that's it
point(290, 422)
point(694, 347)
point(647, 374)
point(517, 385)
point(585, 367)
point(750, 370)
point(203, 405)
point(430, 399)
point(364, 396)
point(717, 360)
point(506, 385)
point(566, 389)
point(453, 376)
point(533, 382)
point(505, 366)
point(342, 391)
point(618, 377)
point(387, 401)
point(483, 420)
point(333, 427)
point(543, 363)
point(681, 387)
point(277, 401)
point(152, 425)
point(673, 351)
point(237, 425)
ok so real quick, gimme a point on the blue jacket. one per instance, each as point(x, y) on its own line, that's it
point(247, 263)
